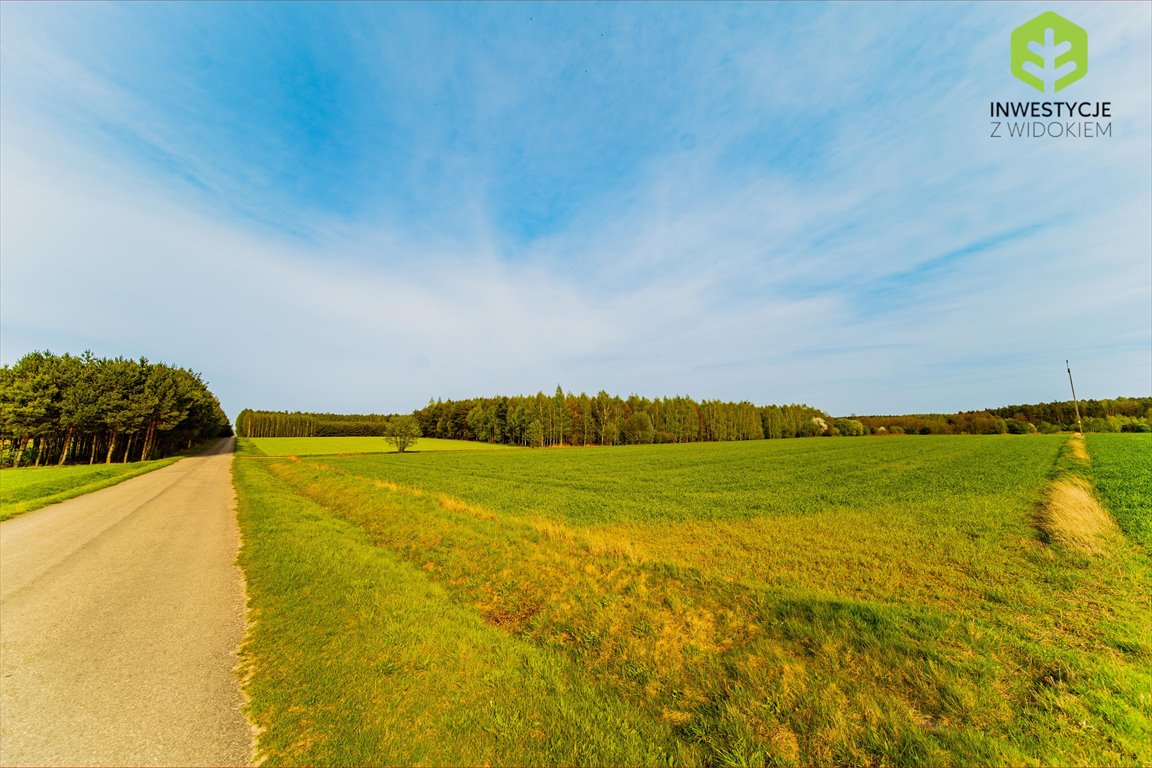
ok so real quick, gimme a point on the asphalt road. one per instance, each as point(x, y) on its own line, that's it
point(120, 615)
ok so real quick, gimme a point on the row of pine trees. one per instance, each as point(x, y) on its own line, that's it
point(57, 409)
point(251, 423)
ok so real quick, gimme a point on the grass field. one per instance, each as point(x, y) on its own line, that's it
point(774, 602)
point(28, 488)
point(1122, 469)
point(318, 446)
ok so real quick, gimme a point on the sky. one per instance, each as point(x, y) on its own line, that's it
point(361, 207)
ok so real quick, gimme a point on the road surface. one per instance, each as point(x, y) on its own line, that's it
point(120, 615)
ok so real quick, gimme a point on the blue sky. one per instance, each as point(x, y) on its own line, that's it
point(358, 207)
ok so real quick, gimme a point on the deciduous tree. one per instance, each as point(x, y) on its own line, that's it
point(402, 432)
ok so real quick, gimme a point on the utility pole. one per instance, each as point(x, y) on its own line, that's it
point(1079, 424)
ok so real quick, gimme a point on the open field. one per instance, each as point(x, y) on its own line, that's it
point(781, 602)
point(318, 446)
point(28, 488)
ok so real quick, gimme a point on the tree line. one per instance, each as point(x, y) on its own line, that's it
point(603, 419)
point(252, 423)
point(1121, 414)
point(58, 409)
point(560, 419)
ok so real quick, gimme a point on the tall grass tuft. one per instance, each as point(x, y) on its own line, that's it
point(1071, 516)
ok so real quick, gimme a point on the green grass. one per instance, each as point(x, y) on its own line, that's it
point(318, 446)
point(773, 602)
point(29, 488)
point(727, 481)
point(1122, 470)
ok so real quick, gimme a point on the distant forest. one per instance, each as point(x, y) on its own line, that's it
point(603, 419)
point(57, 409)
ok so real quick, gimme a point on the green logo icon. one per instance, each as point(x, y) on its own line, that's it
point(1049, 52)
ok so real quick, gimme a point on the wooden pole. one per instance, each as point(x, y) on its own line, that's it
point(1079, 424)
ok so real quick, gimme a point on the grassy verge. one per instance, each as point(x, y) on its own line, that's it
point(318, 446)
point(801, 602)
point(356, 658)
point(29, 488)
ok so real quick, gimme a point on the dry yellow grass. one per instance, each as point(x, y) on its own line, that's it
point(1077, 450)
point(1072, 516)
point(453, 504)
point(809, 552)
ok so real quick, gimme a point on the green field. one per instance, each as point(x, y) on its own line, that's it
point(1122, 469)
point(28, 488)
point(318, 446)
point(871, 600)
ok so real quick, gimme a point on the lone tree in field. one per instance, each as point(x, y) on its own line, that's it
point(402, 432)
